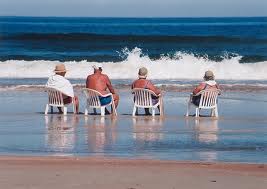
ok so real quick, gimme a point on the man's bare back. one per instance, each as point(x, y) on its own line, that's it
point(101, 83)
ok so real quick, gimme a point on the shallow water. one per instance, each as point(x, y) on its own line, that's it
point(239, 135)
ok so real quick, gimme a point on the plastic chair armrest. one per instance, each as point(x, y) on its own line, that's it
point(106, 95)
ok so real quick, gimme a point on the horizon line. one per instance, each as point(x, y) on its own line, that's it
point(25, 16)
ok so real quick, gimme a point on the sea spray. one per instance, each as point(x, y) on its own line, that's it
point(180, 66)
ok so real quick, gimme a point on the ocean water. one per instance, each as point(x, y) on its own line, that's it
point(172, 48)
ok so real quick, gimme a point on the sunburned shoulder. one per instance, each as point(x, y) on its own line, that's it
point(135, 81)
point(202, 84)
point(90, 75)
point(105, 76)
point(199, 87)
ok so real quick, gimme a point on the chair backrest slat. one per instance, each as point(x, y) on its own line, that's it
point(143, 97)
point(55, 97)
point(208, 98)
point(92, 97)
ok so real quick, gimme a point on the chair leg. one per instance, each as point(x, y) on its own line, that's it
point(134, 110)
point(188, 109)
point(74, 108)
point(197, 112)
point(86, 111)
point(161, 111)
point(153, 112)
point(94, 110)
point(46, 109)
point(51, 109)
point(102, 111)
point(161, 107)
point(212, 113)
point(65, 109)
point(216, 112)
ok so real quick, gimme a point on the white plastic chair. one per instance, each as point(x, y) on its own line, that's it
point(55, 99)
point(93, 101)
point(143, 99)
point(208, 100)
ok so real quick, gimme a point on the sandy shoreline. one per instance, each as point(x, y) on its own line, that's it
point(71, 172)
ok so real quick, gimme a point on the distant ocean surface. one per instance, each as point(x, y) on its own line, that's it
point(172, 48)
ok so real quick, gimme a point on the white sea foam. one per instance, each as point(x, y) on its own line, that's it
point(182, 66)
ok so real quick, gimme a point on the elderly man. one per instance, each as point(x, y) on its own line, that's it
point(144, 83)
point(209, 82)
point(60, 83)
point(101, 83)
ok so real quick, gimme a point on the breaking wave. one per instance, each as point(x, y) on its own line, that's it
point(179, 66)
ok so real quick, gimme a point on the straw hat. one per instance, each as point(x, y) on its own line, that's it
point(60, 68)
point(142, 73)
point(209, 74)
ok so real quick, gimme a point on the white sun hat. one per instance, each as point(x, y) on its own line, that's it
point(97, 66)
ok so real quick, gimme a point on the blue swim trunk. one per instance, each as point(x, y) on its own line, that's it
point(105, 100)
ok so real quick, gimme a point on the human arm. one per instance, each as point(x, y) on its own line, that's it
point(109, 85)
point(199, 88)
point(151, 87)
point(218, 87)
point(133, 86)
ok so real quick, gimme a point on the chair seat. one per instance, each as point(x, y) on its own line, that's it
point(55, 99)
point(208, 100)
point(93, 101)
point(143, 99)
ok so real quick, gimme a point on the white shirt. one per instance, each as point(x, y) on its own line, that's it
point(210, 82)
point(61, 84)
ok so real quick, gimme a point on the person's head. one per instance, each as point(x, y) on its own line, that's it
point(208, 75)
point(142, 73)
point(60, 69)
point(98, 67)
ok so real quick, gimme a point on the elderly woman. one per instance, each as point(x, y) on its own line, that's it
point(208, 83)
point(142, 82)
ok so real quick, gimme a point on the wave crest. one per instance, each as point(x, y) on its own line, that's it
point(179, 66)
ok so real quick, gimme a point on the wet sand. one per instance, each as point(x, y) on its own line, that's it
point(59, 172)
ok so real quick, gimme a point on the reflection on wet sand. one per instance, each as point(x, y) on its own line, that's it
point(60, 136)
point(101, 133)
point(206, 131)
point(147, 129)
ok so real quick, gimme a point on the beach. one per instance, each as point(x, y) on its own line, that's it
point(140, 152)
point(58, 172)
